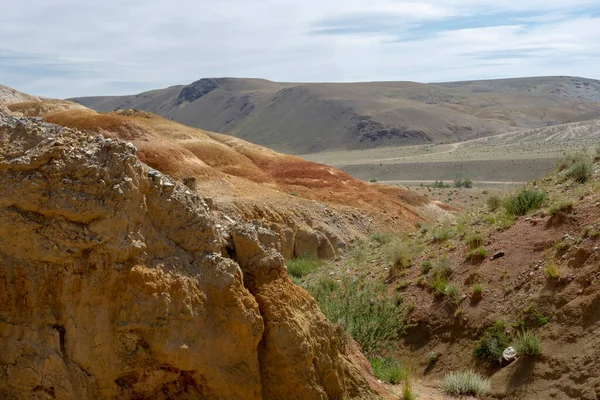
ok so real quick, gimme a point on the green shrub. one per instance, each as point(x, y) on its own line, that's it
point(504, 221)
point(524, 201)
point(358, 252)
point(462, 181)
point(552, 270)
point(425, 267)
point(534, 317)
point(407, 392)
point(580, 171)
point(560, 206)
point(477, 292)
point(569, 159)
point(381, 238)
point(441, 234)
point(432, 357)
point(300, 267)
point(489, 219)
point(492, 343)
point(494, 202)
point(477, 255)
point(402, 285)
point(590, 232)
point(452, 294)
point(399, 257)
point(474, 240)
point(466, 383)
point(363, 310)
point(387, 369)
point(373, 180)
point(527, 344)
point(440, 185)
point(439, 278)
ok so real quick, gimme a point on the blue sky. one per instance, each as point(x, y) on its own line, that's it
point(67, 48)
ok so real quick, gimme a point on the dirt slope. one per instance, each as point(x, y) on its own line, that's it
point(311, 117)
point(546, 279)
point(122, 283)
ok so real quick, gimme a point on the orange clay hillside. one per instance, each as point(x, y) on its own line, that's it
point(182, 151)
point(251, 181)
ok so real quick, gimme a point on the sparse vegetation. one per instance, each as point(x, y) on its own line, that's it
point(494, 202)
point(363, 310)
point(387, 369)
point(532, 315)
point(590, 232)
point(477, 255)
point(407, 392)
point(373, 181)
point(441, 234)
point(504, 221)
point(580, 171)
point(300, 267)
point(462, 181)
point(492, 343)
point(453, 294)
point(474, 240)
point(439, 278)
point(466, 383)
point(524, 201)
point(400, 258)
point(477, 292)
point(439, 185)
point(381, 238)
point(569, 159)
point(432, 357)
point(425, 267)
point(358, 252)
point(527, 344)
point(551, 269)
point(560, 206)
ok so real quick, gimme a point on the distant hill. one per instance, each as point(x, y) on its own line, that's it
point(311, 117)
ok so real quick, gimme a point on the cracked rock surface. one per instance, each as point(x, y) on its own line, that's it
point(115, 283)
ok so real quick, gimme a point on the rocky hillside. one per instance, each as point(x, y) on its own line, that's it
point(117, 281)
point(9, 95)
point(528, 263)
point(313, 117)
point(248, 182)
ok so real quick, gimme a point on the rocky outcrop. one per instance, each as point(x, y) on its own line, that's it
point(195, 90)
point(117, 282)
point(312, 243)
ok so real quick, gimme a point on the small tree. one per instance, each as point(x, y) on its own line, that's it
point(461, 181)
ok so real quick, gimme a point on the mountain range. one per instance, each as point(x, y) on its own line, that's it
point(302, 118)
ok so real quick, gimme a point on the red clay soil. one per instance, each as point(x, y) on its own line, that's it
point(181, 151)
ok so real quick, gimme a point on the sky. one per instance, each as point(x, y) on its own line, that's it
point(67, 48)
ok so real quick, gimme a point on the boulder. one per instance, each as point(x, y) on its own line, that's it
point(312, 243)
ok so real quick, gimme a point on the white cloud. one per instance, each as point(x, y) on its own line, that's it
point(117, 47)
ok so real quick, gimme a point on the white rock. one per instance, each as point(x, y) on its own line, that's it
point(509, 354)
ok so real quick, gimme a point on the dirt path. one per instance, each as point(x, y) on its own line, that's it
point(425, 391)
point(391, 182)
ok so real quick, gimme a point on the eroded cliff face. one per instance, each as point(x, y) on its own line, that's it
point(118, 282)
